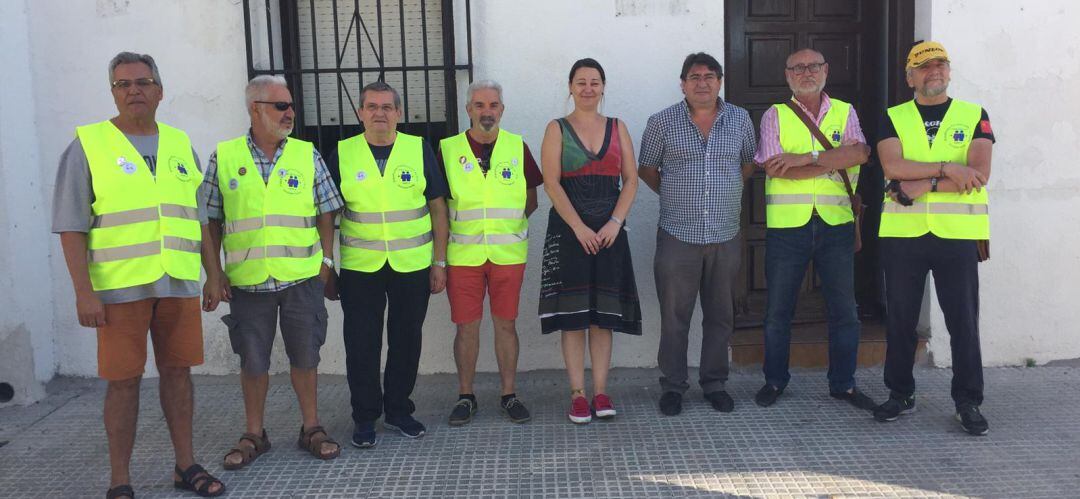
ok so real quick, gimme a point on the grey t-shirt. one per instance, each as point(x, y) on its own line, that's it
point(73, 196)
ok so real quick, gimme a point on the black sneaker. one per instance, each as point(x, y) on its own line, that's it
point(856, 398)
point(463, 412)
point(671, 403)
point(720, 401)
point(893, 408)
point(972, 420)
point(767, 395)
point(515, 410)
point(364, 435)
point(406, 425)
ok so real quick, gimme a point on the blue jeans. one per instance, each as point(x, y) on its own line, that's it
point(787, 253)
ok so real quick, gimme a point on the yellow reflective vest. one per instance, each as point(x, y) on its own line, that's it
point(790, 203)
point(487, 212)
point(269, 226)
point(144, 225)
point(386, 215)
point(948, 215)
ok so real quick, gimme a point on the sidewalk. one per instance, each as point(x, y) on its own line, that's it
point(807, 445)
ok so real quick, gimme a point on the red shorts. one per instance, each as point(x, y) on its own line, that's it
point(465, 288)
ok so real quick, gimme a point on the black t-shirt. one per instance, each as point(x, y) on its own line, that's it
point(932, 116)
point(433, 173)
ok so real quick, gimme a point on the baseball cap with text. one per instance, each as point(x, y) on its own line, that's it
point(923, 52)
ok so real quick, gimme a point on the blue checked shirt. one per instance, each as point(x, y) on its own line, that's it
point(327, 198)
point(700, 179)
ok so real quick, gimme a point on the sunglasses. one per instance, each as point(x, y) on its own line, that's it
point(279, 105)
point(141, 83)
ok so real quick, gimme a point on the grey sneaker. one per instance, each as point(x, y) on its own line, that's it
point(515, 410)
point(463, 412)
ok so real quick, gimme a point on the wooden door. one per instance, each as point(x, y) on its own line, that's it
point(853, 35)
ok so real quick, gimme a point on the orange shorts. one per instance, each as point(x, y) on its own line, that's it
point(175, 326)
point(465, 288)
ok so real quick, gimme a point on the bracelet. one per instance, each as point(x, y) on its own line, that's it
point(941, 170)
point(616, 220)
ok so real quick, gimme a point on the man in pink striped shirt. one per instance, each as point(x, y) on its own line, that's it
point(809, 219)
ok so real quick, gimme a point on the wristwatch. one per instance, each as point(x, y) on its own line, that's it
point(933, 184)
point(439, 263)
point(814, 155)
point(329, 262)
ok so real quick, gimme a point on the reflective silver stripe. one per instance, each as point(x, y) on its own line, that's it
point(789, 199)
point(123, 252)
point(292, 251)
point(181, 244)
point(125, 217)
point(491, 238)
point(486, 213)
point(396, 244)
point(824, 200)
point(234, 257)
point(378, 217)
point(938, 208)
point(244, 224)
point(178, 211)
point(290, 221)
point(463, 239)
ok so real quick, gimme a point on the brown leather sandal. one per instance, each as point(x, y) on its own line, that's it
point(260, 446)
point(310, 442)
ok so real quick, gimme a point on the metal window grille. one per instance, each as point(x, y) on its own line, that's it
point(329, 49)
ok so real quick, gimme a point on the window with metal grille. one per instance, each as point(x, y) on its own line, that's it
point(329, 49)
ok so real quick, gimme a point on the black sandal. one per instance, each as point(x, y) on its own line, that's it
point(197, 480)
point(120, 491)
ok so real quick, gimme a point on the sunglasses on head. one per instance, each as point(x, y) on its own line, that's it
point(279, 105)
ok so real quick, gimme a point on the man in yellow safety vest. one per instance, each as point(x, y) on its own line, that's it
point(125, 206)
point(493, 179)
point(393, 258)
point(938, 150)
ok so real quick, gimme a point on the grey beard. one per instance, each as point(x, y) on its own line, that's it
point(933, 92)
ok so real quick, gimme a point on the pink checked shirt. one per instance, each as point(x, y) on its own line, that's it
point(769, 144)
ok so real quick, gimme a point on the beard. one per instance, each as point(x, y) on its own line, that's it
point(934, 91)
point(279, 129)
point(487, 124)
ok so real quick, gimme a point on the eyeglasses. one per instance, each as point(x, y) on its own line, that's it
point(279, 105)
point(707, 78)
point(140, 82)
point(803, 68)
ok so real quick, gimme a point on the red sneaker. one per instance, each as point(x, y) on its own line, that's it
point(602, 406)
point(579, 411)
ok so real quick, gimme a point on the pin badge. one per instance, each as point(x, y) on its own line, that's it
point(468, 167)
point(462, 160)
point(129, 168)
point(233, 184)
point(243, 170)
point(360, 176)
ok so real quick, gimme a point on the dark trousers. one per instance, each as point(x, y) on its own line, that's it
point(365, 297)
point(787, 254)
point(955, 265)
point(682, 270)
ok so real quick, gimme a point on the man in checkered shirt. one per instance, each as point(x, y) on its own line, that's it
point(696, 155)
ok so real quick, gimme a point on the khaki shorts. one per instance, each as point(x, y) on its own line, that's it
point(175, 326)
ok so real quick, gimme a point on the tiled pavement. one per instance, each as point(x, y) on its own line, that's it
point(807, 445)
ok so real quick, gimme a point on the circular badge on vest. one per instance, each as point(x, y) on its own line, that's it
point(125, 165)
point(835, 135)
point(405, 177)
point(361, 175)
point(182, 171)
point(292, 181)
point(462, 160)
point(506, 173)
point(956, 135)
point(233, 184)
point(468, 167)
point(243, 171)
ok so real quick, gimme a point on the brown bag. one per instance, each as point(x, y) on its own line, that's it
point(856, 199)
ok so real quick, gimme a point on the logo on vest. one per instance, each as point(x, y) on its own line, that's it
point(361, 175)
point(125, 165)
point(177, 166)
point(506, 174)
point(404, 177)
point(291, 181)
point(957, 135)
point(835, 136)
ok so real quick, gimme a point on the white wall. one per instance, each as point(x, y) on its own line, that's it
point(1021, 61)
